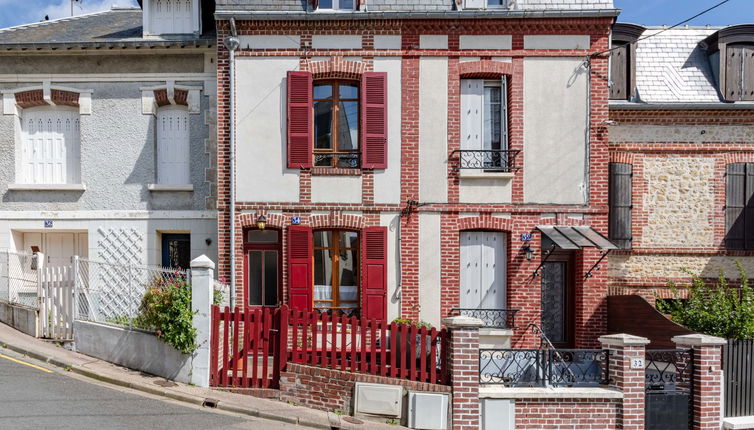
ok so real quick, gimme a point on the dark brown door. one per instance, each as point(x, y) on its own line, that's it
point(558, 299)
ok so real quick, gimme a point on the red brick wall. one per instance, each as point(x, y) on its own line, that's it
point(332, 390)
point(536, 414)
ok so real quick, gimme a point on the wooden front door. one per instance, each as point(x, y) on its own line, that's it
point(558, 299)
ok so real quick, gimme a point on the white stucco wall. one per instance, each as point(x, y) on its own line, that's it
point(433, 129)
point(486, 41)
point(392, 221)
point(387, 42)
point(287, 41)
point(336, 189)
point(556, 41)
point(327, 41)
point(555, 109)
point(387, 183)
point(433, 41)
point(262, 175)
point(487, 190)
point(429, 268)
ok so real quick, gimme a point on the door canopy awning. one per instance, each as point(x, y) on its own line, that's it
point(576, 237)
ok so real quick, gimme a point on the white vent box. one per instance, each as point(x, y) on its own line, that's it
point(428, 411)
point(378, 399)
point(498, 414)
point(474, 4)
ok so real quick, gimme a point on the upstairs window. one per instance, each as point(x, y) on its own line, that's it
point(739, 206)
point(336, 4)
point(739, 72)
point(336, 123)
point(620, 71)
point(171, 16)
point(484, 122)
point(173, 156)
point(50, 145)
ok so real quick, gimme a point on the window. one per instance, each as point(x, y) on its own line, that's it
point(619, 200)
point(484, 122)
point(739, 206)
point(620, 71)
point(50, 145)
point(262, 267)
point(494, 4)
point(176, 250)
point(739, 72)
point(173, 158)
point(336, 4)
point(336, 271)
point(171, 16)
point(336, 123)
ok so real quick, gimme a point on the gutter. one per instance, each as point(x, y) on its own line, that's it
point(140, 44)
point(681, 106)
point(232, 43)
point(367, 15)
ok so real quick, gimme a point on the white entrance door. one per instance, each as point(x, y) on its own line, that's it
point(58, 248)
point(483, 258)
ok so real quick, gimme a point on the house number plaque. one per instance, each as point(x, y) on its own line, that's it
point(295, 220)
point(637, 363)
point(48, 223)
point(525, 237)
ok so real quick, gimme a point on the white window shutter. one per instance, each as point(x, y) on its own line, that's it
point(472, 95)
point(50, 146)
point(173, 158)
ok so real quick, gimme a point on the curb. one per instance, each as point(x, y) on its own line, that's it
point(194, 400)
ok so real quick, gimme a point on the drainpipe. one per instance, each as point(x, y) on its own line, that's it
point(231, 44)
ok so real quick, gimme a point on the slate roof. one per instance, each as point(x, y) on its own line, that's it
point(517, 6)
point(671, 67)
point(118, 27)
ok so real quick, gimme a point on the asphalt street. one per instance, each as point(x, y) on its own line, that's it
point(34, 395)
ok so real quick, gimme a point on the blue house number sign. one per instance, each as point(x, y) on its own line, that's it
point(48, 223)
point(295, 220)
point(525, 237)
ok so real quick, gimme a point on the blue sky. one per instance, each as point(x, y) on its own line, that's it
point(646, 12)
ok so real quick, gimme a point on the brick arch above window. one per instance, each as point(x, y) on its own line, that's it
point(272, 220)
point(622, 157)
point(504, 225)
point(335, 68)
point(338, 219)
point(43, 95)
point(484, 69)
point(180, 97)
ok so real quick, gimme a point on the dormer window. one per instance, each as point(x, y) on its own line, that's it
point(623, 61)
point(485, 4)
point(336, 4)
point(168, 17)
point(731, 55)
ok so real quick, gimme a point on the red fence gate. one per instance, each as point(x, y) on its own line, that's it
point(250, 347)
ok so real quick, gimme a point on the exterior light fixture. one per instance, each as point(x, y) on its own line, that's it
point(261, 222)
point(529, 252)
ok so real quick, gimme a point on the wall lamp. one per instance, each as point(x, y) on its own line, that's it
point(261, 222)
point(529, 252)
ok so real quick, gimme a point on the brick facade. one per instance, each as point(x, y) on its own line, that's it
point(556, 414)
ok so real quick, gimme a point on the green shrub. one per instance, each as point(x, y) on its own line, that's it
point(166, 309)
point(407, 321)
point(718, 310)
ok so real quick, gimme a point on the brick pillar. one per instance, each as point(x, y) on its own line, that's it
point(629, 379)
point(708, 378)
point(464, 370)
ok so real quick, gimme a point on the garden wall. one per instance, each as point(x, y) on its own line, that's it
point(132, 348)
point(21, 318)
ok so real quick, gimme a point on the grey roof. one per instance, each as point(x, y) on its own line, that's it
point(516, 7)
point(118, 27)
point(671, 67)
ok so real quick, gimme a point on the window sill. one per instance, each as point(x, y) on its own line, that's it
point(484, 174)
point(169, 188)
point(46, 187)
point(335, 171)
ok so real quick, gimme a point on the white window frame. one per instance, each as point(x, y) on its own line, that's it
point(336, 6)
point(38, 147)
point(166, 160)
point(469, 130)
point(504, 5)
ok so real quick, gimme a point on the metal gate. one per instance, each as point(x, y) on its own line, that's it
point(738, 368)
point(669, 389)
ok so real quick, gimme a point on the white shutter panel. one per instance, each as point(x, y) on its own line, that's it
point(492, 291)
point(183, 16)
point(472, 95)
point(173, 146)
point(50, 146)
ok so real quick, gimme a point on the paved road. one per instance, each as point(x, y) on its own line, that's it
point(43, 397)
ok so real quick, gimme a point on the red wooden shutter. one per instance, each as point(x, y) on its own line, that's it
point(374, 120)
point(374, 277)
point(300, 112)
point(300, 257)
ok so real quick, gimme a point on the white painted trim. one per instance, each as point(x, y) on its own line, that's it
point(177, 87)
point(746, 422)
point(104, 214)
point(482, 174)
point(10, 107)
point(46, 187)
point(165, 187)
point(105, 77)
point(498, 392)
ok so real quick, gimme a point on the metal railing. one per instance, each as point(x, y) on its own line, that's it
point(498, 160)
point(337, 159)
point(669, 369)
point(493, 318)
point(540, 368)
point(18, 278)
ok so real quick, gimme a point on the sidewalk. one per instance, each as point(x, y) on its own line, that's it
point(116, 375)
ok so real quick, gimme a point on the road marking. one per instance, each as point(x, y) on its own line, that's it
point(25, 363)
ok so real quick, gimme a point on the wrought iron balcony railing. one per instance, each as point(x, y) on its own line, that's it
point(337, 159)
point(539, 368)
point(493, 318)
point(497, 160)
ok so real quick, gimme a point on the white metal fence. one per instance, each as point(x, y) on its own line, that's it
point(18, 278)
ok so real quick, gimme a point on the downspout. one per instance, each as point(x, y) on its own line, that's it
point(231, 44)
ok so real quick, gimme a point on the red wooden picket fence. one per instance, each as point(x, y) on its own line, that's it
point(250, 347)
